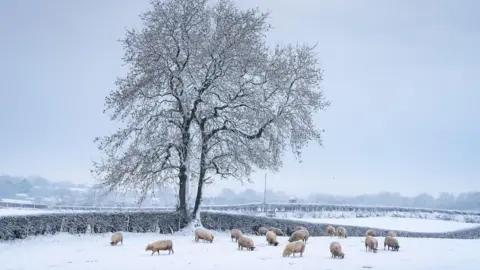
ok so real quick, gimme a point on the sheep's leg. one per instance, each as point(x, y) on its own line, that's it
point(158, 252)
point(153, 252)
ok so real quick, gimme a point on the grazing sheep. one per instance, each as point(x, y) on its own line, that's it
point(116, 238)
point(391, 242)
point(277, 231)
point(336, 250)
point(262, 230)
point(294, 247)
point(299, 235)
point(300, 228)
point(392, 234)
point(371, 233)
point(160, 245)
point(204, 234)
point(272, 238)
point(371, 243)
point(245, 242)
point(341, 232)
point(236, 234)
point(331, 230)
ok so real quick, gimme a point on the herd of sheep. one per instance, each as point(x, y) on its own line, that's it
point(296, 244)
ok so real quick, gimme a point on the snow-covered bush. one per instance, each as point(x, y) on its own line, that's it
point(19, 227)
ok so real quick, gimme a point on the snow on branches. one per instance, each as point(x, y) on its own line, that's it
point(204, 89)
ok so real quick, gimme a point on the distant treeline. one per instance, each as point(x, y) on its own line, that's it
point(464, 201)
point(38, 188)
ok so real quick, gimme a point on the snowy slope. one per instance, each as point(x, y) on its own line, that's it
point(93, 252)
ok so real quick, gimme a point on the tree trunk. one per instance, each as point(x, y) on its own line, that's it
point(183, 177)
point(182, 205)
point(201, 177)
point(198, 199)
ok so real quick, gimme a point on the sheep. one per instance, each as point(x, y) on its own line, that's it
point(277, 231)
point(272, 238)
point(371, 233)
point(294, 247)
point(116, 238)
point(341, 232)
point(299, 235)
point(204, 234)
point(300, 228)
point(262, 230)
point(336, 250)
point(391, 242)
point(331, 230)
point(371, 243)
point(236, 234)
point(160, 245)
point(245, 242)
point(392, 234)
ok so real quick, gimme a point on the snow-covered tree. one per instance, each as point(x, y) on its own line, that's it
point(206, 96)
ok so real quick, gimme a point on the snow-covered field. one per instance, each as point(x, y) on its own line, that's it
point(94, 252)
point(21, 212)
point(392, 223)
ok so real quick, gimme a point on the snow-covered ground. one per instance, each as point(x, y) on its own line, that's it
point(392, 223)
point(94, 252)
point(21, 212)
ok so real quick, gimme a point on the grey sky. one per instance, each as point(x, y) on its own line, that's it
point(400, 75)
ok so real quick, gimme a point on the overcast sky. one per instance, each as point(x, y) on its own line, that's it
point(402, 76)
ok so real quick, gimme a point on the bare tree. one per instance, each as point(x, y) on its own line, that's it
point(204, 84)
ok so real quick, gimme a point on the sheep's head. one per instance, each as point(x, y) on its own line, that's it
point(113, 243)
point(342, 255)
point(149, 247)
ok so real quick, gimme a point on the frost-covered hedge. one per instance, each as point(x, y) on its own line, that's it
point(19, 227)
point(224, 221)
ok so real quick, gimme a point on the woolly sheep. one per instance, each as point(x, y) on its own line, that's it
point(262, 230)
point(272, 238)
point(371, 233)
point(277, 231)
point(204, 234)
point(236, 234)
point(341, 232)
point(336, 250)
point(392, 234)
point(116, 238)
point(299, 235)
point(391, 242)
point(331, 230)
point(371, 243)
point(294, 247)
point(300, 228)
point(160, 245)
point(245, 242)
